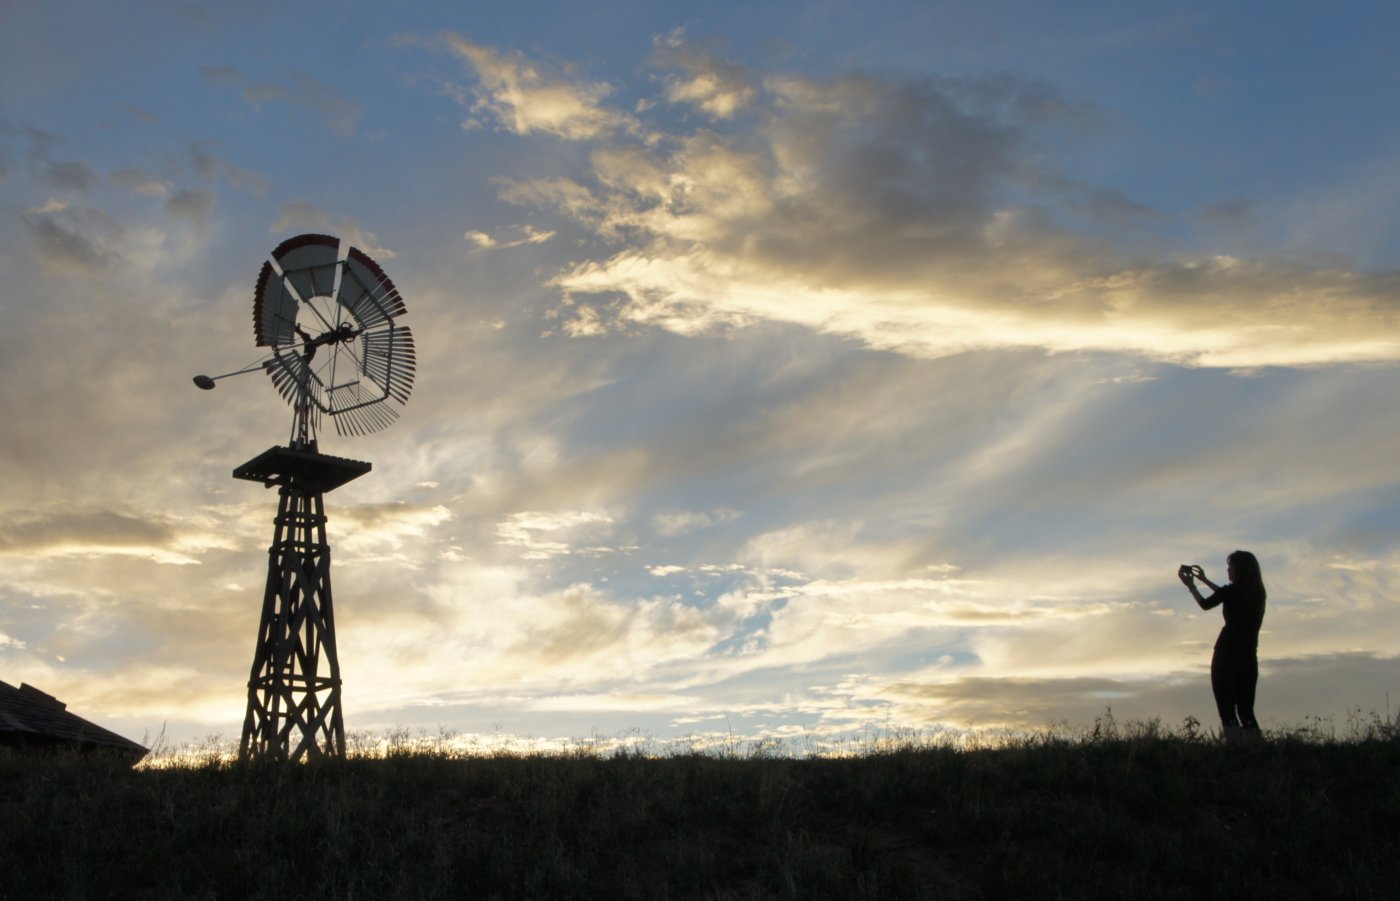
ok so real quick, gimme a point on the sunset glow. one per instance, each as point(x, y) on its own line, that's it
point(779, 373)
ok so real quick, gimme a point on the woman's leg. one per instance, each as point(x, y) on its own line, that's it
point(1222, 684)
point(1246, 680)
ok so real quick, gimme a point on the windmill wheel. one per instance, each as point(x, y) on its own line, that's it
point(329, 316)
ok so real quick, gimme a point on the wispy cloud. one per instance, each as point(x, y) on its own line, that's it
point(689, 521)
point(340, 113)
point(528, 235)
point(75, 238)
point(144, 183)
point(194, 206)
point(541, 535)
point(65, 532)
point(714, 85)
point(525, 96)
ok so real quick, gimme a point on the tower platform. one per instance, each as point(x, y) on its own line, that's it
point(307, 471)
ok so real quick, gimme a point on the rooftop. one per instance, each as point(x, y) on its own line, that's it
point(29, 718)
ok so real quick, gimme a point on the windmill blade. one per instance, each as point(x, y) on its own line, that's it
point(359, 410)
point(274, 310)
point(389, 359)
point(309, 262)
point(367, 292)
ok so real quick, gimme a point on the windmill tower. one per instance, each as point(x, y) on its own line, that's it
point(329, 316)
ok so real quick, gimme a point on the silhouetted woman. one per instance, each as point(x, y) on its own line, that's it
point(1234, 668)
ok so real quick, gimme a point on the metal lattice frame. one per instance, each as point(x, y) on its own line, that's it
point(294, 689)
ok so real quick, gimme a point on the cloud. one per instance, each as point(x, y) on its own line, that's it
point(397, 532)
point(79, 238)
point(1290, 690)
point(340, 113)
point(915, 216)
point(1111, 207)
point(528, 532)
point(1232, 213)
point(715, 86)
point(825, 548)
point(73, 175)
point(65, 175)
point(529, 235)
point(481, 634)
point(192, 205)
point(525, 96)
point(582, 627)
point(246, 179)
point(207, 165)
point(96, 533)
point(146, 184)
point(670, 524)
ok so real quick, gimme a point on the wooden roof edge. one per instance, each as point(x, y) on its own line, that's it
point(28, 713)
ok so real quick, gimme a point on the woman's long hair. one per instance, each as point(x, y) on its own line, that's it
point(1248, 576)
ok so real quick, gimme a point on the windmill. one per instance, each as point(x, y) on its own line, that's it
point(329, 317)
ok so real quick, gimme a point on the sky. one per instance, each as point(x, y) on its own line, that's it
point(786, 370)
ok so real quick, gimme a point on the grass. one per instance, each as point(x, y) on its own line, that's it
point(1135, 810)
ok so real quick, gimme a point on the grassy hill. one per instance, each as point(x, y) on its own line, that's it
point(1113, 813)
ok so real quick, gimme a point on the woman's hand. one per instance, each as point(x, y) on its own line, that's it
point(1185, 575)
point(1200, 576)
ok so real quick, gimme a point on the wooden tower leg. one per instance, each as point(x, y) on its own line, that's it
point(294, 689)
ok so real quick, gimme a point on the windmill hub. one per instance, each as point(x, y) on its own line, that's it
point(317, 317)
point(342, 334)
